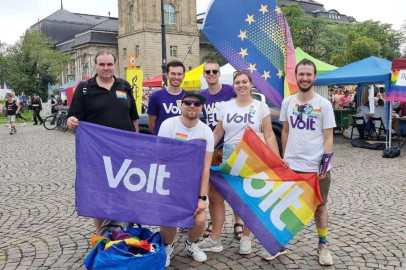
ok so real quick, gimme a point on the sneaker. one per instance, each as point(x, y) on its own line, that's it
point(245, 245)
point(23, 124)
point(265, 255)
point(7, 125)
point(169, 251)
point(208, 245)
point(324, 255)
point(35, 124)
point(194, 251)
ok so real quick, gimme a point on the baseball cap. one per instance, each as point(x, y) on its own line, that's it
point(194, 94)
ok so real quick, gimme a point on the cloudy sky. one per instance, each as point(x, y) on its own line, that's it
point(18, 15)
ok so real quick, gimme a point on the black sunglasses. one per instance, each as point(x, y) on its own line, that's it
point(214, 71)
point(190, 102)
point(300, 109)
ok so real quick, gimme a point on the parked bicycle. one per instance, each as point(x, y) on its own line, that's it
point(59, 120)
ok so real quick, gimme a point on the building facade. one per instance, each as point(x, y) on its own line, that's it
point(80, 36)
point(139, 34)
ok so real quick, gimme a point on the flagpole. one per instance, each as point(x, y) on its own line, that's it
point(163, 44)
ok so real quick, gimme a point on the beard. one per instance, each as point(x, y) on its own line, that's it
point(305, 89)
point(191, 115)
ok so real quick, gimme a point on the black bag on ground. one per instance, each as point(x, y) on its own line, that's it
point(391, 152)
point(363, 144)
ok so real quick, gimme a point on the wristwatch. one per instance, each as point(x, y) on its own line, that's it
point(203, 197)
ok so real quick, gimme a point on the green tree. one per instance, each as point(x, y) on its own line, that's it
point(33, 63)
point(3, 63)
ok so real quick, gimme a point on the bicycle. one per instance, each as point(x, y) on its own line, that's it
point(59, 120)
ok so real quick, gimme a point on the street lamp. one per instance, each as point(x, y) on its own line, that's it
point(163, 44)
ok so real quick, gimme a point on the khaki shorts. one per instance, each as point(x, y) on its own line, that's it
point(11, 118)
point(324, 186)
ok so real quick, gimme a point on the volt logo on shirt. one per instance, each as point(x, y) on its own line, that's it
point(171, 108)
point(121, 94)
point(246, 118)
point(309, 124)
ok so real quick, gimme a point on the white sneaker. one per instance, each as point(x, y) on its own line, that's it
point(265, 255)
point(324, 255)
point(7, 125)
point(23, 124)
point(245, 245)
point(208, 245)
point(194, 251)
point(169, 251)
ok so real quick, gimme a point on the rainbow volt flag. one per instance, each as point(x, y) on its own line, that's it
point(254, 35)
point(273, 201)
point(397, 88)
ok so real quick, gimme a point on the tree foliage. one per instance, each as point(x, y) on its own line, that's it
point(32, 64)
point(342, 43)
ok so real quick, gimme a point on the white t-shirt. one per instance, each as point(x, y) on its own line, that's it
point(305, 145)
point(236, 119)
point(173, 128)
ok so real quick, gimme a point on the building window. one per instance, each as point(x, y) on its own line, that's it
point(125, 54)
point(170, 15)
point(173, 51)
point(190, 67)
point(132, 16)
point(137, 51)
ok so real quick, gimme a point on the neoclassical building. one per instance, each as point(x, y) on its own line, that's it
point(139, 34)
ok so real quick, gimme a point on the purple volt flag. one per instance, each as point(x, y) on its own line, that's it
point(254, 35)
point(131, 177)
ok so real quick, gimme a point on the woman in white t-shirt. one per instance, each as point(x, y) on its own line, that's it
point(234, 117)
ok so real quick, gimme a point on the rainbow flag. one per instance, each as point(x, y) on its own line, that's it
point(274, 202)
point(254, 35)
point(397, 88)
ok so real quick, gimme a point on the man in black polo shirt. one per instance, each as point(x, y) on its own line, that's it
point(104, 100)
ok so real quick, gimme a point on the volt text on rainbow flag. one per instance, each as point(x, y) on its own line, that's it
point(274, 202)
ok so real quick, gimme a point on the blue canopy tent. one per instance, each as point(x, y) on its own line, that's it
point(371, 70)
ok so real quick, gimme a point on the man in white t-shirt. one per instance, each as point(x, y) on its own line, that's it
point(308, 123)
point(187, 126)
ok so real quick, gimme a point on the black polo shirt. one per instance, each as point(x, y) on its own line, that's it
point(115, 108)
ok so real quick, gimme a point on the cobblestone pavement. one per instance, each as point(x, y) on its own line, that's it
point(39, 227)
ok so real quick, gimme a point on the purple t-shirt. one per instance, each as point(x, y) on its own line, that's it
point(164, 105)
point(211, 107)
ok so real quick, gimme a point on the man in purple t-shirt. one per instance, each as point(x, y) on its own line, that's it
point(215, 95)
point(166, 102)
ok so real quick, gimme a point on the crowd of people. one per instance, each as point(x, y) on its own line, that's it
point(174, 113)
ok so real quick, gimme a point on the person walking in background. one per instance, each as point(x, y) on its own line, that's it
point(187, 126)
point(54, 103)
point(166, 102)
point(307, 134)
point(12, 107)
point(104, 100)
point(36, 105)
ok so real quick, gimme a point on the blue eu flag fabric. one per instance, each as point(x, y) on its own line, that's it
point(254, 35)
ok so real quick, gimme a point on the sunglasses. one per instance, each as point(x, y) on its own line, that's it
point(214, 71)
point(300, 109)
point(190, 102)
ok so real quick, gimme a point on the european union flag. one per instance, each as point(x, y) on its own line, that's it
point(254, 35)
